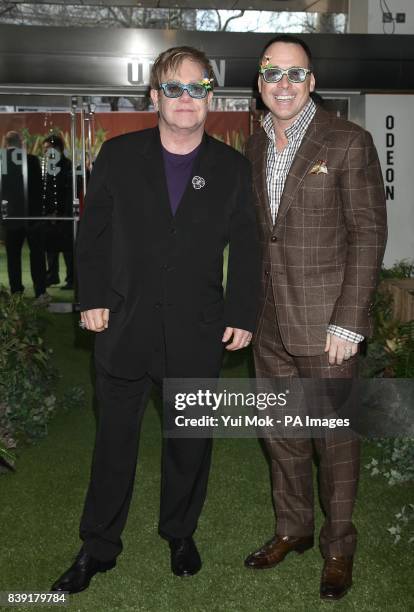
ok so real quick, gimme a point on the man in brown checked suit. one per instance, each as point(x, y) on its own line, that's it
point(321, 208)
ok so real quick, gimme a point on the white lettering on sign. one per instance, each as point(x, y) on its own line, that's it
point(139, 70)
point(219, 71)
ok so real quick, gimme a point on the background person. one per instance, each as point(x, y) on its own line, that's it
point(57, 201)
point(21, 187)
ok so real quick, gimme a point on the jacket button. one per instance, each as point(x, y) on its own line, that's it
point(173, 230)
point(273, 238)
point(158, 305)
point(266, 272)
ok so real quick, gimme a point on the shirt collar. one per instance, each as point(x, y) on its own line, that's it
point(298, 128)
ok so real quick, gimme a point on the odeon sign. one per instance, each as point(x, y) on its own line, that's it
point(138, 71)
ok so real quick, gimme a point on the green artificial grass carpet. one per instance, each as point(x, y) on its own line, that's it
point(41, 504)
point(55, 292)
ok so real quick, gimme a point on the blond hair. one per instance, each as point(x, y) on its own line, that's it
point(171, 59)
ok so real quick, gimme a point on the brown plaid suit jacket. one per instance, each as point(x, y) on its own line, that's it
point(323, 255)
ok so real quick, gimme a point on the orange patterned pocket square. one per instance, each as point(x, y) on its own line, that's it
point(320, 167)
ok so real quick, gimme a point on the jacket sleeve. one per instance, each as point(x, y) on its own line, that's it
point(364, 210)
point(94, 242)
point(243, 272)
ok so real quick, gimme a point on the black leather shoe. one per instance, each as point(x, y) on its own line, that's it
point(185, 558)
point(80, 573)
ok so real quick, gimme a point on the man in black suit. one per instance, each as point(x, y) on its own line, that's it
point(57, 202)
point(21, 188)
point(161, 206)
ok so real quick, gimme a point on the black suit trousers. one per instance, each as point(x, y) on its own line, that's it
point(185, 464)
point(14, 239)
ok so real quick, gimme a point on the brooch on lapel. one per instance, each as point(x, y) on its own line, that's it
point(320, 167)
point(198, 182)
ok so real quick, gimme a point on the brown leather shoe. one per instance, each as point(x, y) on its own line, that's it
point(336, 577)
point(274, 551)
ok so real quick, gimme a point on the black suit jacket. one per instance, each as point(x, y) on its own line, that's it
point(21, 203)
point(151, 268)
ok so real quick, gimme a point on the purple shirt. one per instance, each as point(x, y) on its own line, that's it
point(178, 170)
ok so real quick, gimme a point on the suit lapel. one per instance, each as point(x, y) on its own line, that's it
point(308, 152)
point(260, 164)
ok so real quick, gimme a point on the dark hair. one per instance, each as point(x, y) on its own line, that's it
point(171, 59)
point(55, 141)
point(13, 139)
point(291, 39)
point(317, 98)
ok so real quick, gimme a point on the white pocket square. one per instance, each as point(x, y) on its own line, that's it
point(319, 168)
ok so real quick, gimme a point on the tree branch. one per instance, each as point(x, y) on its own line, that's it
point(218, 19)
point(226, 23)
point(7, 9)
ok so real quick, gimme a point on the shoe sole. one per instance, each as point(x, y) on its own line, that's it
point(328, 598)
point(186, 575)
point(299, 551)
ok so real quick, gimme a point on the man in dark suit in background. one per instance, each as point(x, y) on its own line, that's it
point(161, 206)
point(321, 208)
point(21, 188)
point(57, 201)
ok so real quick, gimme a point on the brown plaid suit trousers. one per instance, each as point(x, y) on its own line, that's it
point(321, 261)
point(292, 458)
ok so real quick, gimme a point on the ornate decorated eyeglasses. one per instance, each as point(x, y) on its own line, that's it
point(175, 89)
point(273, 74)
